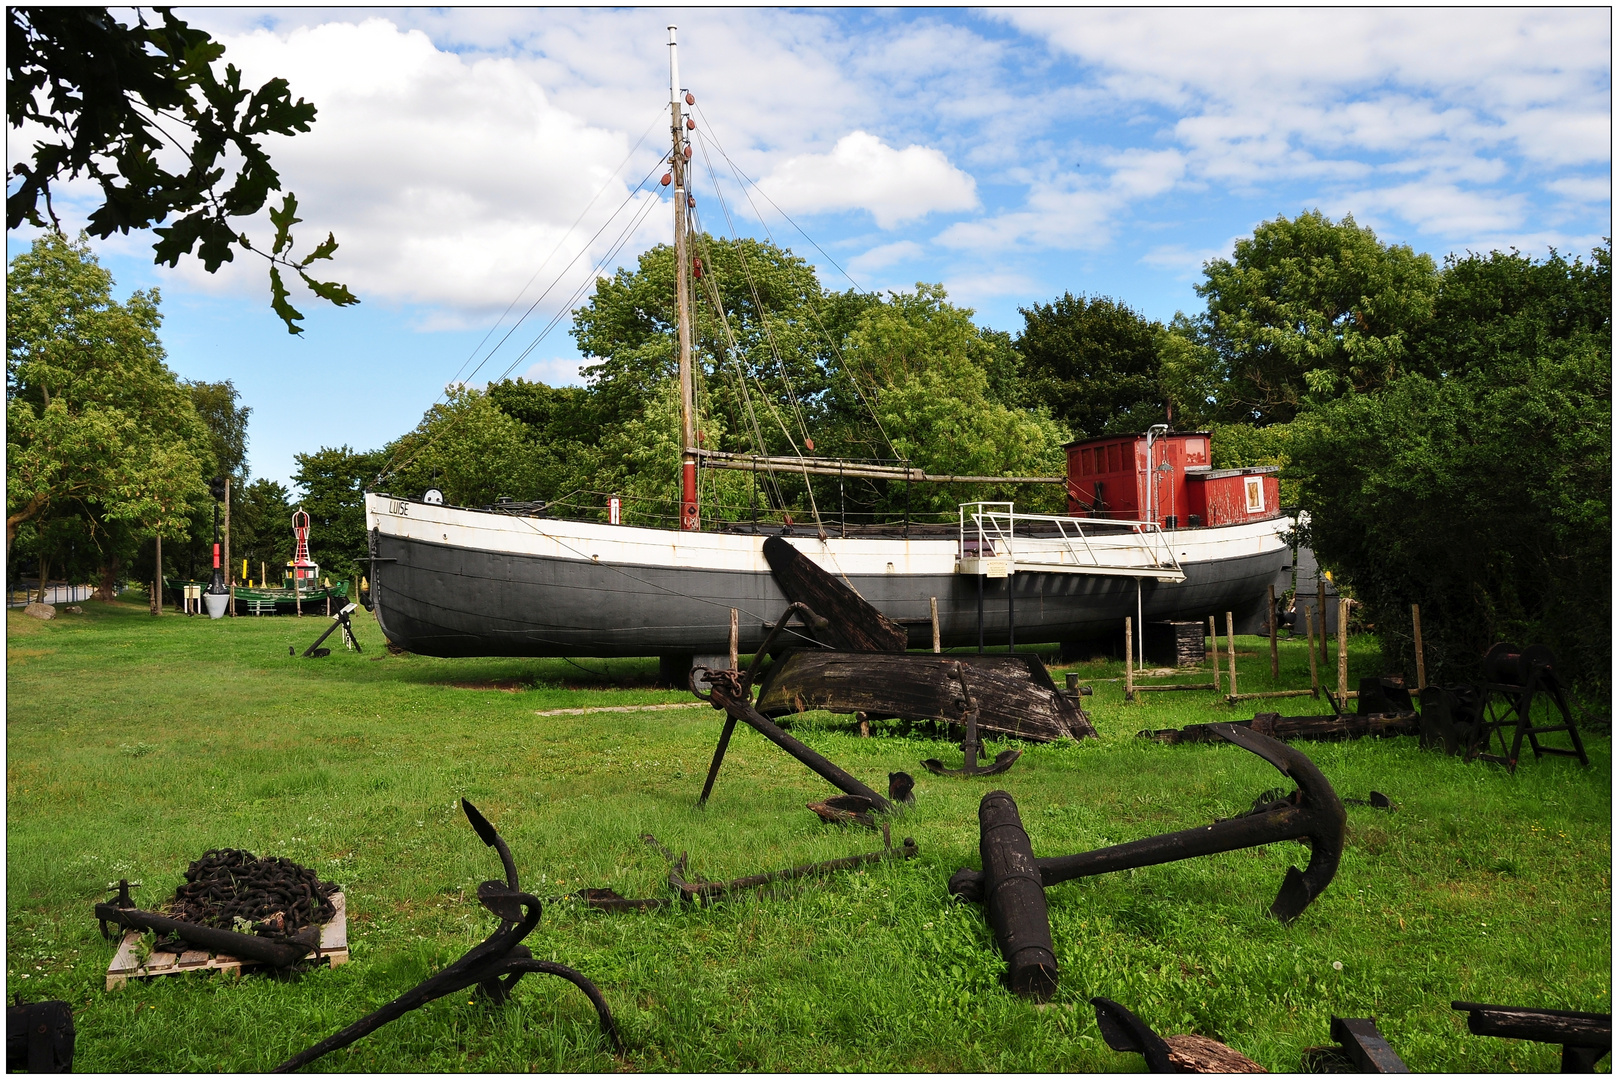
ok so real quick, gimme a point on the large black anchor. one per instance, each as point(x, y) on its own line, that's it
point(1012, 882)
point(732, 691)
point(493, 966)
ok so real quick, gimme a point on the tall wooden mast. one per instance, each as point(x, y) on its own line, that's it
point(682, 298)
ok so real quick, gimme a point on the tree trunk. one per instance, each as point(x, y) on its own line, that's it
point(157, 579)
point(109, 579)
point(44, 574)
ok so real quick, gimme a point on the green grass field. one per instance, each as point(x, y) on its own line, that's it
point(134, 744)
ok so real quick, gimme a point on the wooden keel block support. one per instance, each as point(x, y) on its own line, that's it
point(1014, 899)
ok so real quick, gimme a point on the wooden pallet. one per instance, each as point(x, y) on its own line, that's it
point(333, 950)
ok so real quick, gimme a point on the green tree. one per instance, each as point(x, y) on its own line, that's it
point(110, 95)
point(467, 448)
point(1094, 363)
point(332, 492)
point(261, 528)
point(97, 426)
point(1307, 309)
point(226, 422)
point(1481, 492)
point(932, 398)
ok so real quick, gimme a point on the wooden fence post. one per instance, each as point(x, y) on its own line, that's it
point(1321, 581)
point(1342, 650)
point(938, 646)
point(1129, 658)
point(735, 636)
point(1309, 637)
point(1421, 661)
point(1213, 635)
point(1230, 644)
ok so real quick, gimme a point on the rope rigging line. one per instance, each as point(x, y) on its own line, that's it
point(569, 232)
point(741, 378)
point(758, 304)
point(744, 182)
point(646, 206)
point(389, 467)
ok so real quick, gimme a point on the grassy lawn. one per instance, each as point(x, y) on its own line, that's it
point(134, 744)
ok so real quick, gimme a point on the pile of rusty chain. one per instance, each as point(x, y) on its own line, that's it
point(228, 884)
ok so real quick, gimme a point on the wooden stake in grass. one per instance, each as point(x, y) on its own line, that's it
point(735, 636)
point(1230, 643)
point(938, 646)
point(1213, 636)
point(1321, 581)
point(1342, 650)
point(1309, 638)
point(1129, 658)
point(1421, 662)
point(157, 582)
point(1275, 656)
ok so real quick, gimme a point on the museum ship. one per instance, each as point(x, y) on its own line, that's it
point(1152, 531)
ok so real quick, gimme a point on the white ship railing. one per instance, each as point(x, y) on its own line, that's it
point(990, 545)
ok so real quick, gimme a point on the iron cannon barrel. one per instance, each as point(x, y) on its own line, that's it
point(1289, 823)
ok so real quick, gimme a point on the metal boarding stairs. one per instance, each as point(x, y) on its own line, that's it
point(990, 546)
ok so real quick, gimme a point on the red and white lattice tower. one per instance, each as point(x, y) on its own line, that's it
point(303, 567)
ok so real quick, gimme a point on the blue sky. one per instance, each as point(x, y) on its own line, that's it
point(1009, 154)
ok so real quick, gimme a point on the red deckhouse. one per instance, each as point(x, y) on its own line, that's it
point(1165, 478)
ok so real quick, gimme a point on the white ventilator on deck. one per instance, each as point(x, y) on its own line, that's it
point(990, 545)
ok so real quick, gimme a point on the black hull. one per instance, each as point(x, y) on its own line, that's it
point(442, 600)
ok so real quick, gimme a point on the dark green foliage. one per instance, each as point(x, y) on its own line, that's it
point(1307, 309)
point(261, 530)
point(332, 483)
point(1094, 363)
point(227, 425)
point(100, 85)
point(1482, 492)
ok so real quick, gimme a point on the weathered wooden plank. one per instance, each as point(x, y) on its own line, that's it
point(334, 932)
point(855, 624)
point(333, 950)
point(1538, 1025)
point(1014, 694)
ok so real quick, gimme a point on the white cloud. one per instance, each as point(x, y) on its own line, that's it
point(1594, 189)
point(445, 180)
point(863, 173)
point(1185, 264)
point(1439, 209)
point(557, 371)
point(885, 255)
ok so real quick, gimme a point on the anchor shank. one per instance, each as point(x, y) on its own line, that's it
point(740, 710)
point(1288, 823)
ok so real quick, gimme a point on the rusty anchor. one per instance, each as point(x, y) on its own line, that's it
point(1313, 812)
point(971, 749)
point(338, 621)
point(705, 892)
point(494, 966)
point(732, 692)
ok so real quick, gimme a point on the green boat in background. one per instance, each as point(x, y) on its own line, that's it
point(302, 589)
